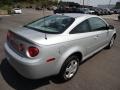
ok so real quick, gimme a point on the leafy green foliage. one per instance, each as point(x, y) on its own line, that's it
point(5, 4)
point(117, 6)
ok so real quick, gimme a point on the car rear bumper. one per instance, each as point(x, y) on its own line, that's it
point(32, 69)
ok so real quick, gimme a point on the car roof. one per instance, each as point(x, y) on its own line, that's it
point(77, 15)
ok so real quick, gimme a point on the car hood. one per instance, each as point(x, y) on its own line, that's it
point(39, 37)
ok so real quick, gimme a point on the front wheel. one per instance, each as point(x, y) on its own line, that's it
point(111, 42)
point(69, 68)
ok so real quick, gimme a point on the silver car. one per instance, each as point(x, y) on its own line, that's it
point(57, 44)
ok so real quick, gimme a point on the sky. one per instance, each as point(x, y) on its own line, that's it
point(94, 2)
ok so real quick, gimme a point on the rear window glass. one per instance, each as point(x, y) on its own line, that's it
point(51, 24)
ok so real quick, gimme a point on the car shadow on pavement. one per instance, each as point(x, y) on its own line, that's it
point(18, 82)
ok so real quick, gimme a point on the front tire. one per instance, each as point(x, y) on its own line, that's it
point(111, 43)
point(69, 68)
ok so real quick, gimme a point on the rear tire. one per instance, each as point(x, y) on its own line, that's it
point(69, 68)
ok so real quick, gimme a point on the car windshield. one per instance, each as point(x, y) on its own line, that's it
point(54, 24)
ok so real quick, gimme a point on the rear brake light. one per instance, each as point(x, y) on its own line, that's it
point(33, 51)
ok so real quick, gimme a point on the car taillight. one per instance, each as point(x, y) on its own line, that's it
point(33, 51)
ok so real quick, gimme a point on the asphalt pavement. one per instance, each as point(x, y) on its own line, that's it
point(100, 72)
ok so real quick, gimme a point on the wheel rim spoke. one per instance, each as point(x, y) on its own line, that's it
point(112, 41)
point(71, 69)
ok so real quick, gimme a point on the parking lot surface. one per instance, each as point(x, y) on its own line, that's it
point(100, 72)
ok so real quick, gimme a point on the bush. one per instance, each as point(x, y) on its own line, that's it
point(5, 9)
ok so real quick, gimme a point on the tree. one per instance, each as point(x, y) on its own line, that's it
point(8, 2)
point(117, 6)
point(43, 3)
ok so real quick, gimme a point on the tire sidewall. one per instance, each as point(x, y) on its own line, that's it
point(111, 41)
point(109, 45)
point(66, 63)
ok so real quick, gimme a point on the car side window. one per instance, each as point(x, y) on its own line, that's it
point(97, 24)
point(81, 28)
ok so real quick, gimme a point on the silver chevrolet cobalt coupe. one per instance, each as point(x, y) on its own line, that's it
point(57, 44)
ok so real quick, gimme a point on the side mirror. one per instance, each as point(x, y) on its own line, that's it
point(110, 27)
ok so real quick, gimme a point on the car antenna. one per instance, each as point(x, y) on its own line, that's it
point(44, 17)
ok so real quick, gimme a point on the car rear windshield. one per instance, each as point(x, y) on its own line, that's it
point(54, 24)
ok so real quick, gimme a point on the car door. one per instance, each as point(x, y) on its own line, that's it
point(100, 28)
point(84, 38)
